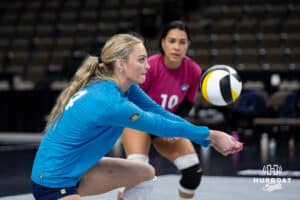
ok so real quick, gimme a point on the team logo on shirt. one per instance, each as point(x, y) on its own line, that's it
point(184, 87)
point(134, 117)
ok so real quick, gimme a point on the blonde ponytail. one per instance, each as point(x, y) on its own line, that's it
point(82, 77)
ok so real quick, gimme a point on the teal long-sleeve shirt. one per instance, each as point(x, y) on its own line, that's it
point(92, 122)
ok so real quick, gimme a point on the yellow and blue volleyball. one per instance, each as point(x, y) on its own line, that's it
point(220, 85)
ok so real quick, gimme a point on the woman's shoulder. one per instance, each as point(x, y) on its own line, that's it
point(155, 58)
point(189, 62)
point(103, 90)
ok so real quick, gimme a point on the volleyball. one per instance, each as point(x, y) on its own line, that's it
point(220, 85)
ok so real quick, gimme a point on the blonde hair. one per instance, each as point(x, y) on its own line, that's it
point(117, 47)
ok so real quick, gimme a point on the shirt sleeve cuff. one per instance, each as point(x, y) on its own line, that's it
point(205, 143)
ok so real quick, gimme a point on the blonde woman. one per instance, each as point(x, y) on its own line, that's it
point(89, 117)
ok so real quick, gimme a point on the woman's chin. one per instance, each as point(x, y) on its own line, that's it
point(141, 80)
point(175, 59)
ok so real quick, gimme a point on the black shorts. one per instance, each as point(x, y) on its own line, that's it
point(153, 136)
point(45, 193)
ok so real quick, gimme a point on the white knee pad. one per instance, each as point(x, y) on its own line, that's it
point(186, 161)
point(138, 157)
point(140, 191)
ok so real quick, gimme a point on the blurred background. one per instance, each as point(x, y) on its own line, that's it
point(43, 42)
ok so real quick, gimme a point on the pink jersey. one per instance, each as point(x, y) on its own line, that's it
point(170, 87)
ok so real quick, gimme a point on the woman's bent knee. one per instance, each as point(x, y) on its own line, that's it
point(148, 172)
point(143, 172)
point(139, 172)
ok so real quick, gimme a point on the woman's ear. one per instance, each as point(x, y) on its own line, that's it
point(120, 65)
point(162, 43)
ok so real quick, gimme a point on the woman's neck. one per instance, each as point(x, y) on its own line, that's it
point(121, 83)
point(171, 65)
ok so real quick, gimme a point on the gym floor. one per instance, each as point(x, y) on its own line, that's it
point(212, 188)
point(237, 175)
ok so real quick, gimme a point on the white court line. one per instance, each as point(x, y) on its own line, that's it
point(6, 137)
point(256, 172)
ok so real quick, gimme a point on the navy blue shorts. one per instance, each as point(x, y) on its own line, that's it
point(44, 193)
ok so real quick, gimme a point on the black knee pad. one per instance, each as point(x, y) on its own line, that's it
point(191, 177)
